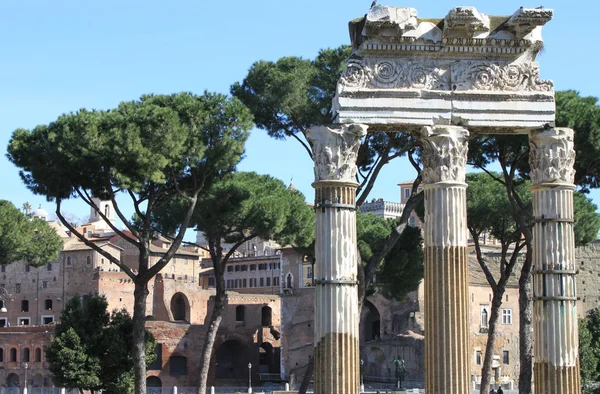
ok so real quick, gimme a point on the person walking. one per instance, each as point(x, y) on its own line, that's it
point(500, 391)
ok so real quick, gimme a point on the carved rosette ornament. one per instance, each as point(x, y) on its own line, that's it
point(444, 154)
point(552, 156)
point(335, 151)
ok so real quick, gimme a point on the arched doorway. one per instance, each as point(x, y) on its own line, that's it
point(265, 358)
point(180, 307)
point(12, 380)
point(375, 362)
point(38, 380)
point(232, 359)
point(370, 321)
point(153, 385)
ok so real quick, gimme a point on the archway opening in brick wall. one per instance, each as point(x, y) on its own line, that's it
point(153, 381)
point(370, 322)
point(180, 307)
point(13, 355)
point(38, 380)
point(266, 358)
point(12, 380)
point(232, 360)
point(266, 316)
point(38, 355)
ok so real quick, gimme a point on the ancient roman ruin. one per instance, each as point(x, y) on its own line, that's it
point(445, 80)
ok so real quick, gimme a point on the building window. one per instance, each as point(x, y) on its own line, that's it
point(268, 281)
point(229, 268)
point(484, 316)
point(288, 280)
point(25, 355)
point(506, 316)
point(49, 267)
point(68, 260)
point(211, 281)
point(244, 284)
point(505, 357)
point(478, 357)
point(3, 322)
point(157, 364)
point(27, 268)
point(3, 268)
point(240, 312)
point(411, 221)
point(47, 319)
point(178, 365)
point(237, 268)
point(1, 355)
point(261, 282)
point(266, 316)
point(44, 284)
point(24, 306)
point(23, 321)
point(13, 354)
point(276, 281)
point(48, 305)
point(407, 192)
point(88, 259)
point(17, 287)
point(244, 268)
point(252, 267)
point(262, 267)
point(38, 355)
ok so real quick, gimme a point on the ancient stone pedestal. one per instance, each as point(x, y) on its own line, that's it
point(446, 270)
point(556, 368)
point(336, 298)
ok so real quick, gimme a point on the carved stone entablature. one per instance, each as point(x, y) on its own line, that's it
point(335, 149)
point(450, 76)
point(524, 20)
point(463, 32)
point(465, 20)
point(390, 21)
point(444, 154)
point(552, 156)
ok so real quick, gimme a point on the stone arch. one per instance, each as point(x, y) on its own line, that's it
point(266, 314)
point(153, 381)
point(370, 322)
point(375, 362)
point(12, 380)
point(180, 307)
point(232, 359)
point(38, 380)
point(38, 355)
point(289, 281)
point(266, 358)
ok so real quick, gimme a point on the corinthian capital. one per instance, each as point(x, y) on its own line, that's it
point(552, 156)
point(444, 153)
point(334, 151)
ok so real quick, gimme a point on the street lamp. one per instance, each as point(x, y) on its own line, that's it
point(4, 296)
point(249, 378)
point(26, 367)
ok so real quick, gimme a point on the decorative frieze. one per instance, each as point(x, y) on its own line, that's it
point(334, 151)
point(448, 76)
point(444, 154)
point(552, 156)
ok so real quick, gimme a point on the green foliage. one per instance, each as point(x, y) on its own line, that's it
point(582, 114)
point(488, 207)
point(70, 364)
point(91, 347)
point(589, 350)
point(402, 269)
point(21, 238)
point(587, 221)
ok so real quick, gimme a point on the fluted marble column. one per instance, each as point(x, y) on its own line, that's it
point(336, 300)
point(556, 339)
point(447, 364)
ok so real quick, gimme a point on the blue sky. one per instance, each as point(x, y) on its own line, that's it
point(62, 55)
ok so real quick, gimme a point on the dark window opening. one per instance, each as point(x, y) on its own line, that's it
point(24, 306)
point(178, 365)
point(48, 305)
point(266, 316)
point(240, 313)
point(157, 364)
point(38, 355)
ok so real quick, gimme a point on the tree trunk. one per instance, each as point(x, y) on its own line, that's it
point(491, 340)
point(307, 375)
point(525, 326)
point(139, 335)
point(213, 327)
